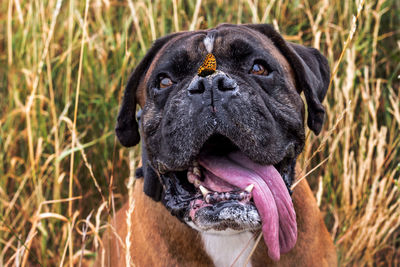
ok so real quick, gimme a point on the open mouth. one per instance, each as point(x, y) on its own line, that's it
point(224, 190)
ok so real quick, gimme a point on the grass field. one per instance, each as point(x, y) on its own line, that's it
point(63, 66)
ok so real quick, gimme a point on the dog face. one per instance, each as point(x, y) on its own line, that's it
point(221, 145)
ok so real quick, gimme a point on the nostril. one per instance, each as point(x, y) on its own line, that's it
point(226, 84)
point(197, 88)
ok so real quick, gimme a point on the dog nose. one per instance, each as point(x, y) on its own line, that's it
point(224, 83)
point(199, 86)
point(215, 91)
point(219, 82)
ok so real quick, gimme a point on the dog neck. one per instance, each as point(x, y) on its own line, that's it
point(229, 249)
point(159, 239)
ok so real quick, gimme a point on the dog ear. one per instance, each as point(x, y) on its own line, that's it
point(311, 70)
point(127, 128)
point(313, 67)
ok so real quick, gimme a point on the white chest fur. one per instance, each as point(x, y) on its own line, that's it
point(228, 249)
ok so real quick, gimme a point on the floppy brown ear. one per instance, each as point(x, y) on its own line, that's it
point(127, 128)
point(311, 70)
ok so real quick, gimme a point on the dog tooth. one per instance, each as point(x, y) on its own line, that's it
point(241, 196)
point(203, 190)
point(227, 196)
point(196, 183)
point(208, 199)
point(196, 171)
point(249, 188)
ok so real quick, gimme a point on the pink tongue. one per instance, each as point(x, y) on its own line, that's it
point(270, 195)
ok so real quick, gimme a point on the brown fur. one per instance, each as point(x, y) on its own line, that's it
point(159, 239)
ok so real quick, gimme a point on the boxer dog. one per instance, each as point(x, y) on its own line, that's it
point(221, 126)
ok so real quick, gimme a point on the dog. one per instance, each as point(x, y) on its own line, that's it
point(221, 126)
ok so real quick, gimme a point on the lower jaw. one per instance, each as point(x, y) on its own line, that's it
point(273, 202)
point(227, 215)
point(180, 193)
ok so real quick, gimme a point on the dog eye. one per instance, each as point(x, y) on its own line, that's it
point(165, 82)
point(258, 69)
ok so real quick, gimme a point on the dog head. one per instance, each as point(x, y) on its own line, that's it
point(220, 136)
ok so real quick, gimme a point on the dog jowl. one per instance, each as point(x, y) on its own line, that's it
point(221, 127)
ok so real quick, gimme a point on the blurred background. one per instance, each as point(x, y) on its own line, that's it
point(63, 66)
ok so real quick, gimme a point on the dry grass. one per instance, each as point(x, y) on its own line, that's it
point(62, 71)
